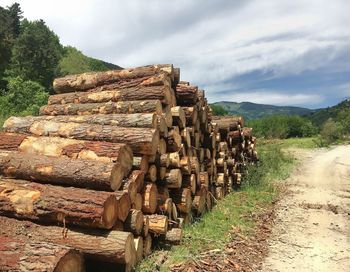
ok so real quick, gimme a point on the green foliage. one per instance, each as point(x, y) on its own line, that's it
point(36, 53)
point(251, 111)
point(281, 127)
point(218, 110)
point(22, 98)
point(75, 62)
point(332, 131)
point(9, 30)
point(213, 230)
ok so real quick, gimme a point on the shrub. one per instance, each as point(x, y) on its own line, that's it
point(332, 131)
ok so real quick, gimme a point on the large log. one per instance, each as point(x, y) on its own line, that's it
point(142, 120)
point(121, 107)
point(47, 203)
point(18, 255)
point(75, 149)
point(141, 140)
point(142, 75)
point(162, 93)
point(107, 246)
point(186, 95)
point(158, 223)
point(182, 198)
point(229, 122)
point(61, 171)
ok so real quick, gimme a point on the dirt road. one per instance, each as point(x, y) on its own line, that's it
point(312, 228)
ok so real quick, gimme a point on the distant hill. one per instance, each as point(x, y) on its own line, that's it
point(320, 116)
point(255, 111)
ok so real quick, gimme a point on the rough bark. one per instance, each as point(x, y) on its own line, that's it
point(174, 236)
point(162, 93)
point(231, 122)
point(107, 246)
point(61, 170)
point(74, 149)
point(141, 140)
point(145, 75)
point(121, 107)
point(173, 178)
point(51, 204)
point(19, 255)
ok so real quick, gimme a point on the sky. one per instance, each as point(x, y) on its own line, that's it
point(278, 52)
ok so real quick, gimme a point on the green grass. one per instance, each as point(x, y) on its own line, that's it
point(212, 231)
point(308, 142)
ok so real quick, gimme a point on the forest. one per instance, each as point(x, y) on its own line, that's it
point(31, 56)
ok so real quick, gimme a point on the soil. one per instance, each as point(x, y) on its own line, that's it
point(312, 227)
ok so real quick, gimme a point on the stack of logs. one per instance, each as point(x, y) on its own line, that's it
point(116, 161)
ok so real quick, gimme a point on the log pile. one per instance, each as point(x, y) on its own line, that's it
point(116, 162)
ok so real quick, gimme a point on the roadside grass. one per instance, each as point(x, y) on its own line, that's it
point(215, 229)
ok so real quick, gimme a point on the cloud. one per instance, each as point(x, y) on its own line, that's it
point(215, 43)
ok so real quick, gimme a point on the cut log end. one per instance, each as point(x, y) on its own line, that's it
point(71, 261)
point(110, 213)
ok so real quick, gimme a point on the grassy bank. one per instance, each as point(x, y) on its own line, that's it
point(212, 231)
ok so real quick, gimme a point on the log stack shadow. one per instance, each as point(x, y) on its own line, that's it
point(117, 162)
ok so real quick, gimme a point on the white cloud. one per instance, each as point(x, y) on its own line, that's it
point(212, 41)
point(268, 97)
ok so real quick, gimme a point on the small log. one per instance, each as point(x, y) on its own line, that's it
point(138, 241)
point(182, 198)
point(185, 164)
point(134, 222)
point(190, 181)
point(61, 171)
point(158, 224)
point(137, 205)
point(173, 141)
point(149, 198)
point(151, 173)
point(179, 118)
point(147, 245)
point(174, 214)
point(191, 115)
point(145, 227)
point(174, 158)
point(203, 179)
point(74, 149)
point(199, 201)
point(186, 136)
point(174, 236)
point(47, 203)
point(138, 177)
point(107, 246)
point(141, 140)
point(122, 107)
point(165, 207)
point(18, 255)
point(140, 163)
point(173, 178)
point(162, 146)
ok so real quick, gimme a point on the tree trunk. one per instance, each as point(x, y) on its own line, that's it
point(182, 198)
point(162, 93)
point(107, 246)
point(186, 95)
point(61, 170)
point(149, 198)
point(121, 107)
point(141, 140)
point(158, 223)
point(134, 222)
point(18, 255)
point(51, 204)
point(174, 236)
point(74, 149)
point(145, 76)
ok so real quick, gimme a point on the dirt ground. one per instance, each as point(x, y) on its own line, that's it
point(312, 226)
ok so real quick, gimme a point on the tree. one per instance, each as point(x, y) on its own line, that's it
point(332, 131)
point(218, 110)
point(36, 53)
point(22, 97)
point(9, 30)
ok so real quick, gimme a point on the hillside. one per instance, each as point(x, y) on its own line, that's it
point(255, 111)
point(339, 111)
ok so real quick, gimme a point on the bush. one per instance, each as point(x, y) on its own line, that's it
point(218, 110)
point(332, 131)
point(22, 98)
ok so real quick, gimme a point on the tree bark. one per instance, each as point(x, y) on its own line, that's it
point(121, 107)
point(18, 255)
point(174, 236)
point(51, 204)
point(61, 170)
point(145, 76)
point(141, 140)
point(162, 93)
point(107, 246)
point(74, 149)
